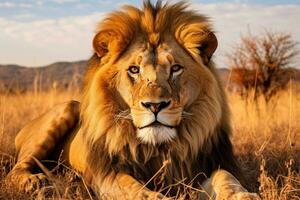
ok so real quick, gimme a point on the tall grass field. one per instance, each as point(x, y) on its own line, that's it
point(266, 140)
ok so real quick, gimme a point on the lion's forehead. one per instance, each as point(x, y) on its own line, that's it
point(161, 55)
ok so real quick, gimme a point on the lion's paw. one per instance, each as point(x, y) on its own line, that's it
point(245, 196)
point(147, 195)
point(32, 182)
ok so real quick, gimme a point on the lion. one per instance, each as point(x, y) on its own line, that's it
point(153, 113)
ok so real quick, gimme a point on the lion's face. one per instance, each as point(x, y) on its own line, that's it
point(158, 84)
point(152, 94)
point(159, 71)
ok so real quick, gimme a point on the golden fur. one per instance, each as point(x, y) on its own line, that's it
point(208, 118)
point(105, 145)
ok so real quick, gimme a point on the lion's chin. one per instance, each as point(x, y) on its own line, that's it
point(156, 134)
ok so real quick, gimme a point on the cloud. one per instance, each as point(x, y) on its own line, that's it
point(82, 5)
point(8, 4)
point(44, 41)
point(65, 1)
point(231, 20)
point(39, 2)
point(24, 16)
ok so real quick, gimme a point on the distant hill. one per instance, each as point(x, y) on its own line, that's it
point(61, 74)
point(15, 78)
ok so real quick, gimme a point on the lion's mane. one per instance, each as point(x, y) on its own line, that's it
point(202, 144)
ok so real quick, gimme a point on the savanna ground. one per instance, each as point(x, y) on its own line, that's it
point(266, 141)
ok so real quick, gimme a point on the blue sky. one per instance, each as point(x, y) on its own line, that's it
point(54, 9)
point(39, 32)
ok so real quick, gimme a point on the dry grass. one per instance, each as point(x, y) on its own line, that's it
point(15, 111)
point(266, 140)
point(267, 143)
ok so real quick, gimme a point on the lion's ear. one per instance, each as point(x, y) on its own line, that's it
point(208, 46)
point(107, 41)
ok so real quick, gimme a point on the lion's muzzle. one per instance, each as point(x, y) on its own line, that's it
point(156, 121)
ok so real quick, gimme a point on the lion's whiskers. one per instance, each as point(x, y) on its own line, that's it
point(186, 115)
point(123, 114)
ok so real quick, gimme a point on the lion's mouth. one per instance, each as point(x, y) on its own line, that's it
point(156, 124)
point(156, 133)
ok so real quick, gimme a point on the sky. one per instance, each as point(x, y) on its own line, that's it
point(40, 32)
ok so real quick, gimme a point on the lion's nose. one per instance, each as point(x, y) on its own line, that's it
point(156, 107)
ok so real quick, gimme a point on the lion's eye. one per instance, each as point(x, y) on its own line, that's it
point(134, 69)
point(176, 69)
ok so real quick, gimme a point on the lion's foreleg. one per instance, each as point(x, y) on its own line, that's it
point(126, 187)
point(223, 185)
point(38, 139)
